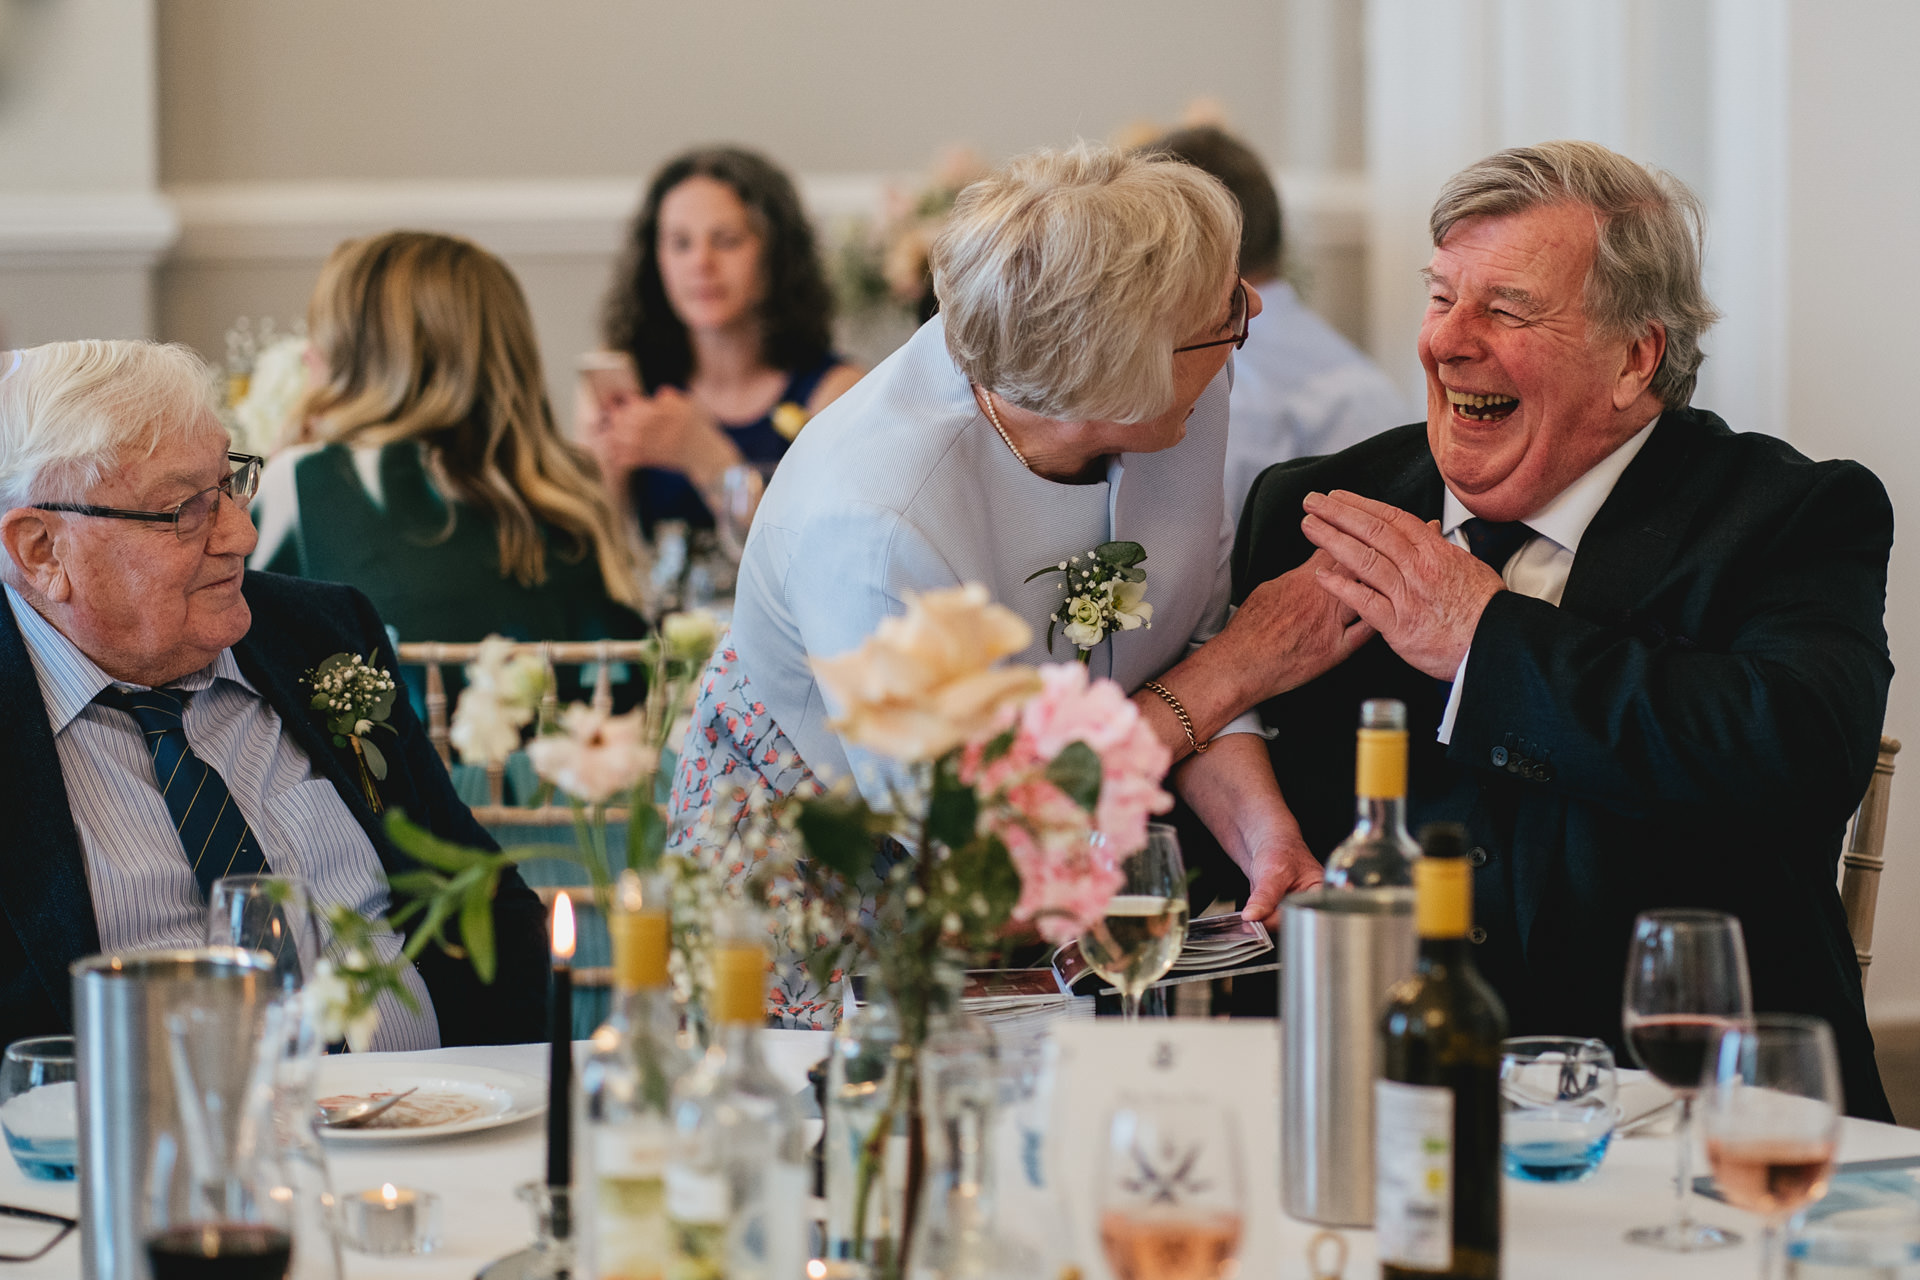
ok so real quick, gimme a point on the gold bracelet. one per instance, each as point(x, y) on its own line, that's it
point(1186, 721)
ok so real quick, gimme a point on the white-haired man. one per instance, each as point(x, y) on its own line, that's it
point(1648, 653)
point(158, 733)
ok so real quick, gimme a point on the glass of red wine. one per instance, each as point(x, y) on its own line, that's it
point(1770, 1108)
point(1686, 983)
point(218, 1205)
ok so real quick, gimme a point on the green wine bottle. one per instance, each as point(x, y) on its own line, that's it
point(1437, 1102)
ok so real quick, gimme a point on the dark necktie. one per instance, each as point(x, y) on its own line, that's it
point(213, 833)
point(1494, 542)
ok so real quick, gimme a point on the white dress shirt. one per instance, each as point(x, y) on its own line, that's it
point(1543, 563)
point(144, 893)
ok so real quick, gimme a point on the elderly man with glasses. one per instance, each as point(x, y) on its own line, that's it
point(158, 733)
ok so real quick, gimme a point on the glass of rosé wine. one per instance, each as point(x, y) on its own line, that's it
point(1171, 1196)
point(1770, 1111)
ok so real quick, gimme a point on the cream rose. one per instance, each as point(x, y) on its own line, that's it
point(925, 682)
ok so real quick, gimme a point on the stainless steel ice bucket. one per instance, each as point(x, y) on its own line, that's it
point(120, 1008)
point(1341, 950)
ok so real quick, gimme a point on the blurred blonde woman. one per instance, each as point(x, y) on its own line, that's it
point(437, 482)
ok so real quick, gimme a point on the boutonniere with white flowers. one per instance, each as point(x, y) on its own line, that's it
point(1105, 592)
point(353, 697)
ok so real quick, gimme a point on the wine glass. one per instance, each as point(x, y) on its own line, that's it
point(1145, 925)
point(267, 913)
point(1171, 1196)
point(1770, 1107)
point(1686, 983)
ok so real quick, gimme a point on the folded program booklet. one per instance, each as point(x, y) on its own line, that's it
point(1215, 947)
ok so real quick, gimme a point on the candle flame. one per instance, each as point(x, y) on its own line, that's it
point(816, 1270)
point(389, 1192)
point(563, 927)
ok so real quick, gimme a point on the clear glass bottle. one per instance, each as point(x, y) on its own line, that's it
point(737, 1179)
point(1379, 854)
point(627, 1085)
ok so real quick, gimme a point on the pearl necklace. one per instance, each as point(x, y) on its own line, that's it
point(986, 398)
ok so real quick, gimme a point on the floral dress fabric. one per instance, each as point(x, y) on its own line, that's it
point(732, 750)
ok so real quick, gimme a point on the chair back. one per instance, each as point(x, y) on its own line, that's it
point(1864, 857)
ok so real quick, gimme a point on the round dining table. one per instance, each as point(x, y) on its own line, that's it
point(1562, 1232)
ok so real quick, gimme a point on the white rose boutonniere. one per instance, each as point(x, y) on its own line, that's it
point(1105, 592)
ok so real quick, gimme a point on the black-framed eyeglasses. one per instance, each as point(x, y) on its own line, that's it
point(187, 518)
point(57, 1229)
point(1236, 316)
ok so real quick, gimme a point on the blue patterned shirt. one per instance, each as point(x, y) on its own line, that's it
point(144, 893)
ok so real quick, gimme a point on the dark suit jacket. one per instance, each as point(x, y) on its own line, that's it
point(46, 913)
point(1691, 727)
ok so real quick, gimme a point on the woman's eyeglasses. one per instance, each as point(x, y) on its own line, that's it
point(1237, 319)
point(187, 518)
point(28, 1234)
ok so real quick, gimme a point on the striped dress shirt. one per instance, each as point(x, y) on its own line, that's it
point(143, 890)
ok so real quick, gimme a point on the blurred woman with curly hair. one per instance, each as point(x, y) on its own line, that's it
point(723, 311)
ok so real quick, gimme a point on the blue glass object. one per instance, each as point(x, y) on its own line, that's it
point(48, 1159)
point(1564, 1160)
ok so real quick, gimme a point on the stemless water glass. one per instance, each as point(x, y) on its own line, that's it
point(1686, 983)
point(1145, 926)
point(268, 913)
point(40, 1106)
point(1171, 1197)
point(1557, 1099)
point(1770, 1109)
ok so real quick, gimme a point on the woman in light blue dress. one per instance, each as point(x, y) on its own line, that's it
point(1072, 391)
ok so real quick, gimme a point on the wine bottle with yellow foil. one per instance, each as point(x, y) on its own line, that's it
point(1379, 854)
point(1437, 1101)
point(627, 1084)
point(737, 1179)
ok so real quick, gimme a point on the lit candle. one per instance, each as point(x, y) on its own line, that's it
point(392, 1220)
point(560, 1068)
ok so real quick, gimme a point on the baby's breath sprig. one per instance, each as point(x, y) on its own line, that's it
point(1105, 592)
point(353, 698)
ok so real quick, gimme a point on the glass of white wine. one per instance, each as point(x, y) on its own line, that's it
point(1139, 938)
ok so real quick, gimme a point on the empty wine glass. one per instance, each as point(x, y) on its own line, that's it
point(1686, 983)
point(1770, 1108)
point(267, 913)
point(1171, 1194)
point(1145, 925)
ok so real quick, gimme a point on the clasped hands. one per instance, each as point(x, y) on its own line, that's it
point(1395, 571)
point(669, 430)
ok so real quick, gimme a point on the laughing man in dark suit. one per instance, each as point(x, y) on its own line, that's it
point(1643, 655)
point(157, 732)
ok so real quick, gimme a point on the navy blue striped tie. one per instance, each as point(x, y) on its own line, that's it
point(213, 832)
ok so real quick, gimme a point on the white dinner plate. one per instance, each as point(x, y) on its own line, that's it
point(487, 1096)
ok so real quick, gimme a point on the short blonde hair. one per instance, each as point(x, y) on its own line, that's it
point(1066, 278)
point(72, 411)
point(1646, 265)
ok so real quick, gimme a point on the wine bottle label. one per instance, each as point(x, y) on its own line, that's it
point(1380, 770)
point(696, 1198)
point(1413, 1174)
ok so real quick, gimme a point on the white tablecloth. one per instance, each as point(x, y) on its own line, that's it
point(1554, 1232)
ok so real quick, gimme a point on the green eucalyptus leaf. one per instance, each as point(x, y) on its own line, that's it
point(376, 763)
point(840, 833)
point(952, 809)
point(319, 702)
point(476, 925)
point(1121, 555)
point(430, 850)
point(1076, 771)
point(1041, 573)
point(996, 747)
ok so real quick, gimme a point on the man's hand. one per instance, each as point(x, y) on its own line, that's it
point(1290, 631)
point(1395, 571)
point(1279, 869)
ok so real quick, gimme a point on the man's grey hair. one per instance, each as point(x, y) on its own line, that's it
point(71, 411)
point(1646, 269)
point(1067, 278)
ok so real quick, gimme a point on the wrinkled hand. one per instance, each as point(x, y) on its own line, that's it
point(1290, 631)
point(1279, 869)
point(1421, 592)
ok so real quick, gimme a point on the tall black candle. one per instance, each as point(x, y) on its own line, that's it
point(560, 1062)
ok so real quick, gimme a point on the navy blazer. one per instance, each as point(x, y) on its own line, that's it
point(1691, 727)
point(46, 912)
